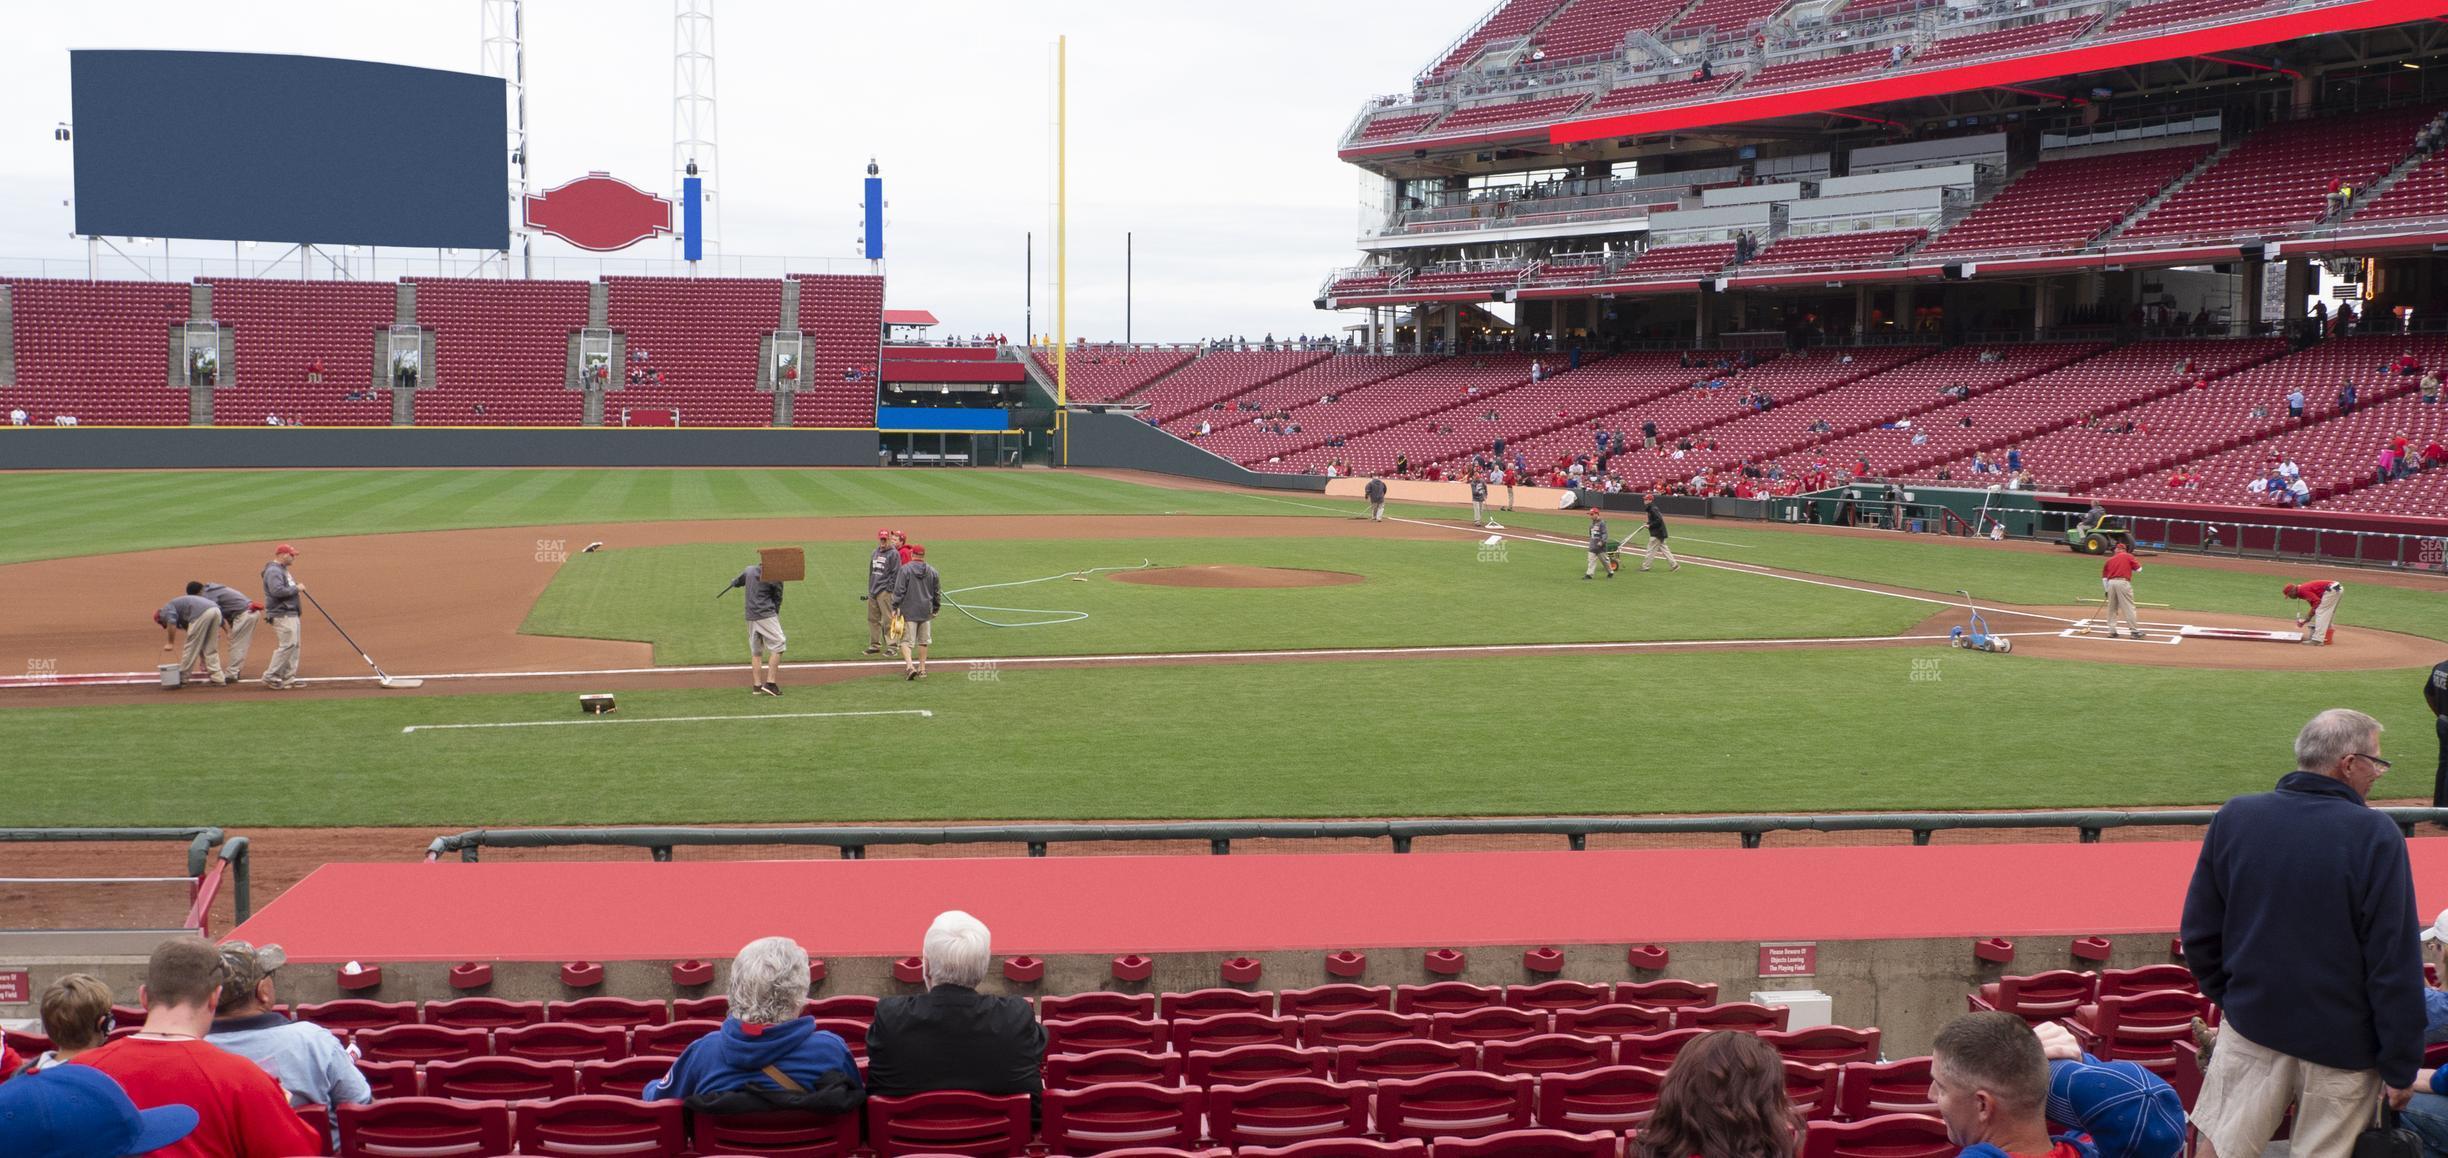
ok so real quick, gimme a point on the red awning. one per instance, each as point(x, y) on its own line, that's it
point(908, 318)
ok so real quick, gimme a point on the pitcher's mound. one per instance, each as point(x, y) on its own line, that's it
point(1228, 575)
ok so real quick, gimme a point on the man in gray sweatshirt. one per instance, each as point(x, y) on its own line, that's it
point(310, 1064)
point(238, 616)
point(1376, 492)
point(200, 618)
point(765, 639)
point(281, 611)
point(881, 567)
point(918, 592)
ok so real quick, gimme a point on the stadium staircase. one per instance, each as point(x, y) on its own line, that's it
point(8, 337)
point(2208, 162)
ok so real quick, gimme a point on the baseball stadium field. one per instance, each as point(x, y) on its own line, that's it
point(1112, 648)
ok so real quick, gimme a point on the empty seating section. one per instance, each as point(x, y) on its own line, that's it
point(2279, 177)
point(1664, 92)
point(2009, 41)
point(1366, 283)
point(1390, 126)
point(841, 319)
point(1787, 380)
point(1797, 72)
point(1232, 433)
point(1824, 250)
point(1724, 16)
point(2045, 386)
point(1223, 374)
point(1576, 274)
point(502, 345)
point(1540, 109)
point(1664, 261)
point(281, 331)
point(2421, 192)
point(2177, 426)
point(1455, 281)
point(1430, 388)
point(701, 337)
point(1545, 422)
point(2064, 204)
point(2160, 14)
point(1107, 373)
point(1514, 19)
point(1587, 26)
point(96, 351)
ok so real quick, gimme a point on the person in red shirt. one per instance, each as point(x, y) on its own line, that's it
point(1990, 1078)
point(2322, 595)
point(240, 1110)
point(2116, 578)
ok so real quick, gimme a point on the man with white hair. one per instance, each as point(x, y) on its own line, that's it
point(2300, 923)
point(952, 1037)
point(766, 1056)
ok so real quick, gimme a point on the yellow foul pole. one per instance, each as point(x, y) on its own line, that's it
point(1062, 252)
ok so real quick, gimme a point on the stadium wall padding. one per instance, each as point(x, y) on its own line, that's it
point(242, 447)
point(1122, 441)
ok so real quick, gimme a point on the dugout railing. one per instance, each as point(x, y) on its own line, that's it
point(214, 859)
point(854, 841)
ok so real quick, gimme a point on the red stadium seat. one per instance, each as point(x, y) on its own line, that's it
point(1225, 1031)
point(1495, 1023)
point(1666, 994)
point(421, 1043)
point(1616, 1099)
point(1824, 1044)
point(2143, 1028)
point(500, 1079)
point(353, 1015)
point(424, 1128)
point(1325, 1000)
point(1614, 1020)
point(1888, 1136)
point(1556, 995)
point(385, 1079)
point(2037, 997)
point(1402, 1058)
point(1812, 1089)
point(1337, 1148)
point(1552, 1053)
point(620, 1011)
point(1287, 1110)
point(1071, 1071)
point(2146, 979)
point(483, 1013)
point(1445, 997)
point(1110, 1117)
point(1066, 1006)
point(1209, 1002)
point(775, 1134)
point(563, 1041)
point(625, 1077)
point(1457, 1105)
point(846, 1007)
point(1250, 1064)
point(1656, 1050)
point(1361, 1027)
point(949, 1122)
point(595, 1126)
point(703, 1008)
point(669, 1039)
point(1746, 1016)
point(1870, 1089)
point(1530, 1144)
point(1104, 1031)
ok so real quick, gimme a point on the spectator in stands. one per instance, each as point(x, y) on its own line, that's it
point(2389, 459)
point(2346, 397)
point(2430, 388)
point(2300, 923)
point(1990, 1079)
point(2433, 454)
point(951, 1037)
point(17, 416)
point(2295, 402)
point(766, 1056)
point(63, 420)
point(2258, 411)
point(2298, 492)
point(76, 1016)
point(2014, 460)
point(314, 372)
point(309, 1062)
point(1724, 1097)
point(76, 1112)
point(241, 1108)
point(2126, 1110)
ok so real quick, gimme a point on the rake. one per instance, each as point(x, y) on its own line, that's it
point(388, 680)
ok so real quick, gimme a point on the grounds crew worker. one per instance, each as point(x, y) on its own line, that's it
point(1598, 546)
point(881, 567)
point(763, 602)
point(1478, 492)
point(1376, 498)
point(1657, 536)
point(918, 592)
point(2435, 693)
point(2116, 581)
point(281, 609)
point(238, 616)
point(2323, 595)
point(200, 618)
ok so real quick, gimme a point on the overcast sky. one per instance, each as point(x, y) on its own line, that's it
point(1207, 129)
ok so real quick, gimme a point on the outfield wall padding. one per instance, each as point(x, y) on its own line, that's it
point(1123, 442)
point(242, 447)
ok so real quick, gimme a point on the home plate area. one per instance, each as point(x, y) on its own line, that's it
point(2173, 634)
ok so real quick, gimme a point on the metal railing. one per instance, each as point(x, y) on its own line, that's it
point(233, 857)
point(853, 842)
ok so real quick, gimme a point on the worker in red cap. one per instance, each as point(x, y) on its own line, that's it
point(918, 594)
point(881, 567)
point(2323, 595)
point(281, 591)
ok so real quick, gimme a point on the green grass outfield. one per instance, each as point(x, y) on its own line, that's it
point(1781, 732)
point(1417, 593)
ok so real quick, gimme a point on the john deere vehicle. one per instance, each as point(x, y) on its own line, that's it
point(2098, 538)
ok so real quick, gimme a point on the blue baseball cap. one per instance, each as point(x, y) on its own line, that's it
point(77, 1111)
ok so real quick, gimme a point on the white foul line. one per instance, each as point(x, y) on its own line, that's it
point(662, 720)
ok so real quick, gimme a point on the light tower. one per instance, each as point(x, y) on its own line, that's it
point(505, 56)
point(693, 148)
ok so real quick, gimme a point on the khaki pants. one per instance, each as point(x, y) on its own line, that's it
point(1657, 547)
point(1596, 559)
point(1478, 511)
point(2250, 1085)
point(2121, 605)
point(879, 617)
point(1377, 512)
point(284, 666)
point(2318, 635)
point(200, 649)
point(241, 635)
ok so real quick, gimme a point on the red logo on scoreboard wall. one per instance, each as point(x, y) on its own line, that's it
point(599, 212)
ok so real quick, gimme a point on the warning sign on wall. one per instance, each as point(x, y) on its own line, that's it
point(1789, 959)
point(16, 988)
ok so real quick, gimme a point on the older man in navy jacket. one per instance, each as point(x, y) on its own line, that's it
point(2300, 923)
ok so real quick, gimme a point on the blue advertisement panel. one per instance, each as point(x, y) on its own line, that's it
point(239, 146)
point(875, 219)
point(982, 420)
